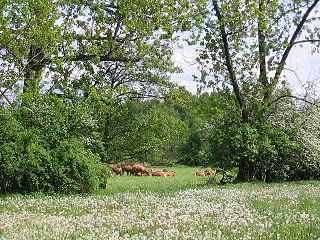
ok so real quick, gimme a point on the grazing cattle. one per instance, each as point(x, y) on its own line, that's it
point(116, 169)
point(200, 173)
point(139, 168)
point(128, 169)
point(210, 171)
point(136, 170)
point(163, 173)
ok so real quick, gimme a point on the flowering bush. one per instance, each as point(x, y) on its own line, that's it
point(283, 145)
point(309, 138)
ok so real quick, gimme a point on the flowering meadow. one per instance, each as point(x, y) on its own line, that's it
point(241, 211)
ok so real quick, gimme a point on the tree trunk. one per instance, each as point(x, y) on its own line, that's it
point(243, 172)
point(33, 70)
point(247, 168)
point(106, 135)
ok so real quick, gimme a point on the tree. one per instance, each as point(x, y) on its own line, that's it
point(121, 46)
point(245, 47)
point(198, 112)
point(309, 137)
point(27, 36)
point(187, 108)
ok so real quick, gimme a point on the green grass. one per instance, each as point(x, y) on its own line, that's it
point(185, 178)
point(302, 203)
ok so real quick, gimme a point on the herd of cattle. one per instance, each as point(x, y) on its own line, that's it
point(139, 170)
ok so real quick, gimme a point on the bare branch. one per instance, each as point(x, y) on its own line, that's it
point(291, 96)
point(292, 42)
point(294, 72)
point(307, 41)
point(140, 95)
point(7, 99)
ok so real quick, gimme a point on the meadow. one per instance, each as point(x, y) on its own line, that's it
point(180, 207)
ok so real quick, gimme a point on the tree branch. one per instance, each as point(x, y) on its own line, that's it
point(103, 58)
point(307, 41)
point(140, 95)
point(291, 43)
point(290, 96)
point(296, 75)
point(227, 55)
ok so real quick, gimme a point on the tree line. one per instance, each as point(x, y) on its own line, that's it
point(84, 83)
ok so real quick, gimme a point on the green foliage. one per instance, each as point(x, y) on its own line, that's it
point(274, 152)
point(101, 57)
point(43, 150)
point(106, 51)
point(146, 131)
point(76, 170)
point(245, 47)
point(284, 147)
point(186, 107)
point(309, 140)
point(97, 55)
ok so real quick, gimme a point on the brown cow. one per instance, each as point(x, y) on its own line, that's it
point(200, 173)
point(139, 168)
point(116, 169)
point(210, 171)
point(142, 174)
point(128, 169)
point(158, 173)
point(136, 170)
point(170, 173)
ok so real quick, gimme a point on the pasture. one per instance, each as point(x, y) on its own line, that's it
point(180, 207)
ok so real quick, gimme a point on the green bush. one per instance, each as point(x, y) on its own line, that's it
point(42, 150)
point(77, 169)
point(10, 151)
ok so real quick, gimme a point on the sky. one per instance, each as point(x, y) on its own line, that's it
point(304, 66)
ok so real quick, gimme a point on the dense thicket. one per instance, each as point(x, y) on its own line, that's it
point(50, 145)
point(146, 131)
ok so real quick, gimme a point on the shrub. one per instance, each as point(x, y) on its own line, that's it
point(41, 150)
point(78, 170)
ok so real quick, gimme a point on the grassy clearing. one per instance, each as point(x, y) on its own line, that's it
point(180, 207)
point(185, 178)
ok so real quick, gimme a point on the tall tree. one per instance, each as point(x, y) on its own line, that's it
point(28, 34)
point(122, 46)
point(246, 45)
